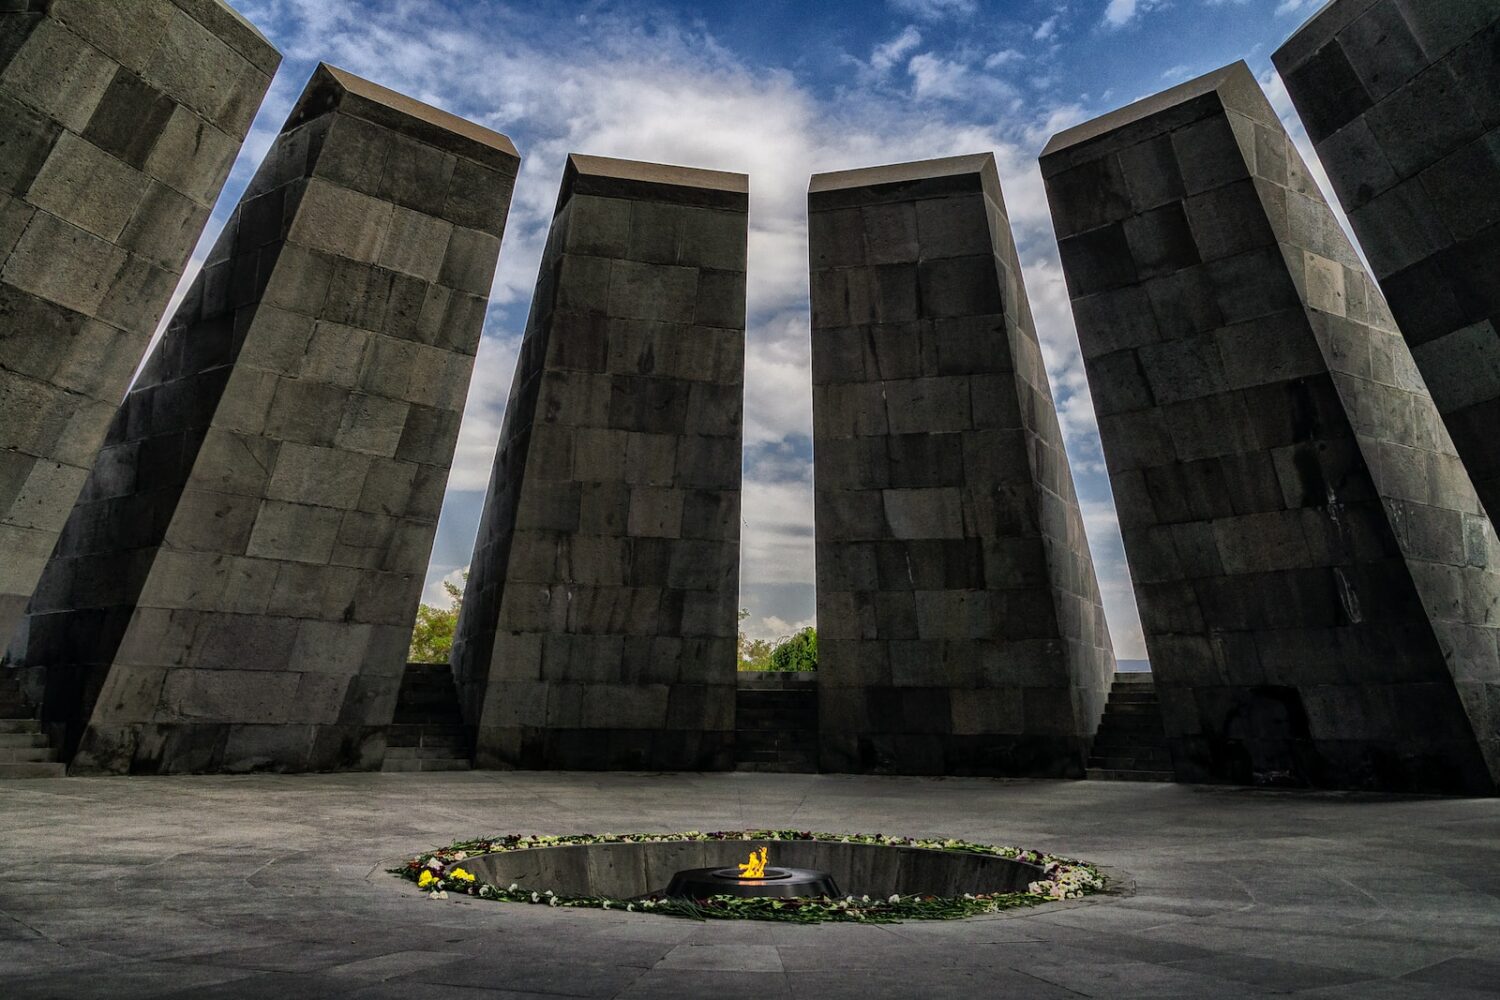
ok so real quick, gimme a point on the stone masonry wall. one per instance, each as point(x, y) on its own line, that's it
point(598, 628)
point(1319, 587)
point(960, 625)
point(1402, 102)
point(237, 586)
point(118, 125)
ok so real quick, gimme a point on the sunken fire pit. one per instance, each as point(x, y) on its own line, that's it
point(674, 867)
point(752, 878)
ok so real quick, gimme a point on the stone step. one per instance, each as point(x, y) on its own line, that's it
point(34, 769)
point(432, 735)
point(20, 726)
point(1125, 762)
point(1105, 774)
point(1160, 753)
point(1116, 736)
point(8, 740)
point(799, 707)
point(427, 699)
point(1132, 712)
point(16, 755)
point(393, 764)
point(1146, 730)
point(422, 753)
point(789, 723)
point(1120, 738)
point(802, 765)
point(761, 740)
point(448, 718)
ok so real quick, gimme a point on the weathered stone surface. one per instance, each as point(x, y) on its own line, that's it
point(101, 202)
point(236, 588)
point(598, 626)
point(960, 626)
point(1319, 586)
point(1402, 101)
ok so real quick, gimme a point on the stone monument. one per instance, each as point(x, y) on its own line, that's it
point(1317, 581)
point(118, 125)
point(960, 626)
point(598, 626)
point(1402, 102)
point(236, 588)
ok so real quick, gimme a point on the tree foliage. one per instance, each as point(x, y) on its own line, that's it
point(798, 652)
point(432, 638)
point(790, 652)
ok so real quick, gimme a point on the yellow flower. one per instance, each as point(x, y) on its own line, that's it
point(459, 873)
point(427, 879)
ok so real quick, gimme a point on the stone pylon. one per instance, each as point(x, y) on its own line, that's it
point(1402, 102)
point(118, 125)
point(236, 588)
point(1319, 587)
point(960, 625)
point(598, 625)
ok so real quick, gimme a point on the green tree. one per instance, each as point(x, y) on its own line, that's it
point(432, 638)
point(755, 654)
point(797, 653)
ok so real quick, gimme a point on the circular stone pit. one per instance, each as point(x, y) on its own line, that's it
point(633, 870)
point(878, 878)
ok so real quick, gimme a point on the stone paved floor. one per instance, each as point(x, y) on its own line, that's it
point(272, 887)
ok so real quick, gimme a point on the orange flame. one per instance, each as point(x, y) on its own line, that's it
point(756, 866)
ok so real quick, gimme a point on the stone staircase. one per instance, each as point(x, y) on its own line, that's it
point(24, 751)
point(428, 733)
point(776, 722)
point(1131, 744)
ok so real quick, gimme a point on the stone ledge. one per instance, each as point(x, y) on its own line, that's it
point(332, 88)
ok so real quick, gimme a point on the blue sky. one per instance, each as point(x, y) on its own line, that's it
point(778, 89)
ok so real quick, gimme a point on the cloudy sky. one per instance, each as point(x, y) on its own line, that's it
point(778, 89)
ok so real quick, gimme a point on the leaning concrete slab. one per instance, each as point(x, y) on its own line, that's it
point(118, 125)
point(1319, 586)
point(1402, 101)
point(236, 588)
point(598, 625)
point(960, 623)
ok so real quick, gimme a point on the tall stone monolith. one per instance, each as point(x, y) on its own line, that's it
point(119, 122)
point(960, 625)
point(1318, 584)
point(236, 588)
point(1402, 102)
point(598, 626)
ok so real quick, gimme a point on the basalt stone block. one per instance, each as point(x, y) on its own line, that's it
point(1411, 143)
point(960, 620)
point(236, 587)
point(598, 626)
point(120, 123)
point(1317, 579)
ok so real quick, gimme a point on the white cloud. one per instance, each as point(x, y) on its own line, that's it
point(890, 53)
point(1047, 30)
point(777, 532)
point(777, 627)
point(933, 77)
point(1121, 12)
point(934, 10)
point(1179, 72)
point(1002, 59)
point(434, 593)
point(1293, 6)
